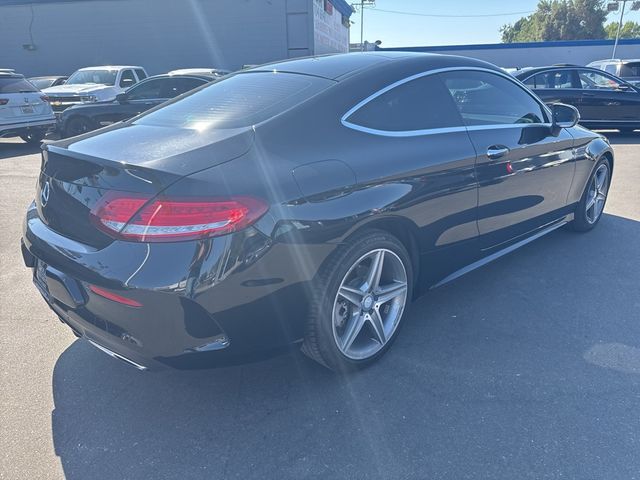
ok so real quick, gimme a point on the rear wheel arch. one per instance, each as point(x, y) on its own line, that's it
point(403, 229)
point(75, 118)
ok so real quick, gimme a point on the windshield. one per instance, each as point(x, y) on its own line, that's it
point(104, 77)
point(41, 83)
point(238, 101)
point(16, 85)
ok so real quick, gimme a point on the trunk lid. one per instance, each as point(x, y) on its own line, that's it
point(78, 172)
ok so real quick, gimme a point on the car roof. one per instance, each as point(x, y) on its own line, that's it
point(198, 71)
point(45, 77)
point(108, 67)
point(207, 78)
point(340, 66)
point(618, 60)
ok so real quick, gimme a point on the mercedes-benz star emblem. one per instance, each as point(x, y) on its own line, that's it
point(44, 193)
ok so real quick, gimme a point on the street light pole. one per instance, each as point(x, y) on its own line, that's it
point(615, 44)
point(362, 25)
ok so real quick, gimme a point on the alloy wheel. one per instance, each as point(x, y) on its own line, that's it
point(597, 194)
point(369, 304)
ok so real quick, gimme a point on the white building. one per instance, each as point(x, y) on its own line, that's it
point(55, 37)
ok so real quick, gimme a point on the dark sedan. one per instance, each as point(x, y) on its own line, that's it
point(307, 201)
point(604, 100)
point(141, 97)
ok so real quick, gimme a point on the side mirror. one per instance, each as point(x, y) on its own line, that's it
point(564, 116)
point(122, 98)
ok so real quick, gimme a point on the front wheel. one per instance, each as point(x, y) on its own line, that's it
point(77, 126)
point(591, 205)
point(359, 302)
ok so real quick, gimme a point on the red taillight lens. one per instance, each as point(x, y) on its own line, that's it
point(44, 98)
point(140, 219)
point(4, 101)
point(129, 302)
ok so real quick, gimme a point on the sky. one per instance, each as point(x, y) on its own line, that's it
point(398, 30)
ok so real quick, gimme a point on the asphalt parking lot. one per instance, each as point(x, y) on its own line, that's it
point(527, 368)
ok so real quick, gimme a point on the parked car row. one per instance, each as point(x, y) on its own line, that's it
point(603, 99)
point(88, 99)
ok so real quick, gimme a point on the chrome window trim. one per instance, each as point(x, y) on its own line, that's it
point(432, 131)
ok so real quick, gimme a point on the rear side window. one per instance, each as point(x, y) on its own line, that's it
point(489, 99)
point(630, 70)
point(237, 101)
point(127, 79)
point(420, 104)
point(140, 73)
point(16, 85)
point(178, 86)
point(146, 90)
point(554, 79)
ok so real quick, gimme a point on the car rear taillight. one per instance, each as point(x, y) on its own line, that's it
point(141, 219)
point(4, 101)
point(114, 297)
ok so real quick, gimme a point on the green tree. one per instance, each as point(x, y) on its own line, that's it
point(559, 20)
point(628, 30)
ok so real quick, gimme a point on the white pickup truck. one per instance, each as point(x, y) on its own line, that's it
point(94, 84)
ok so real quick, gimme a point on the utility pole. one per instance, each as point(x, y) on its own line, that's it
point(361, 5)
point(615, 44)
point(612, 6)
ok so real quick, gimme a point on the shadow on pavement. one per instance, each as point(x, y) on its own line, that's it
point(497, 375)
point(16, 149)
point(617, 138)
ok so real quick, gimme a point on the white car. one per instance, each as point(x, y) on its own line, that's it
point(24, 110)
point(94, 84)
point(216, 72)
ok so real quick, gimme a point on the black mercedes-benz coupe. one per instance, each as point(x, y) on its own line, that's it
point(307, 201)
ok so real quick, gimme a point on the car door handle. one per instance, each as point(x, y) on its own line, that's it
point(588, 94)
point(497, 151)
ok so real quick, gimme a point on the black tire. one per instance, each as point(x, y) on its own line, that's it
point(77, 126)
point(584, 221)
point(321, 340)
point(34, 137)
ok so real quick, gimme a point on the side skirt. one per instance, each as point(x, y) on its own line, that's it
point(500, 253)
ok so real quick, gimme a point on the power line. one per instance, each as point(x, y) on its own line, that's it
point(416, 14)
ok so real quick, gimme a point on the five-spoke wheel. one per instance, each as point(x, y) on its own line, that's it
point(591, 205)
point(369, 303)
point(361, 298)
point(597, 193)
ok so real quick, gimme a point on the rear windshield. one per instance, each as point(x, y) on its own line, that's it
point(16, 85)
point(630, 70)
point(41, 82)
point(238, 101)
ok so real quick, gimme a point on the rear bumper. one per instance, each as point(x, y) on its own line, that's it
point(204, 303)
point(18, 127)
